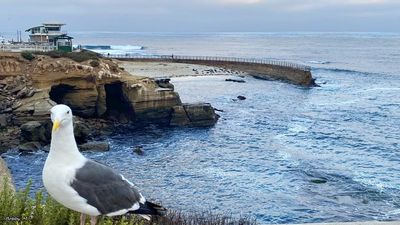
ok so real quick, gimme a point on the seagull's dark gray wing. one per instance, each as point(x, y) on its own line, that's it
point(105, 189)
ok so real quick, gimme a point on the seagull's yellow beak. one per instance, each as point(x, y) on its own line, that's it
point(56, 125)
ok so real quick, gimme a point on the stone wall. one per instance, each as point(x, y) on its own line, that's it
point(263, 71)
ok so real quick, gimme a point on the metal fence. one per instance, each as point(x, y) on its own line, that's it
point(26, 47)
point(211, 58)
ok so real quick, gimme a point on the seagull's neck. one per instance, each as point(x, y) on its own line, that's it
point(63, 146)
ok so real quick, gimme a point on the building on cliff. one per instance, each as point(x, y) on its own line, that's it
point(51, 34)
point(44, 38)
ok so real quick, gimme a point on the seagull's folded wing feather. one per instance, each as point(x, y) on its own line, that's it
point(105, 189)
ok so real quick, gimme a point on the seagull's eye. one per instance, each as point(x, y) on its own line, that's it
point(68, 112)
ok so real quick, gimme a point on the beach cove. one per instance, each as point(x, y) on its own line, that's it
point(286, 154)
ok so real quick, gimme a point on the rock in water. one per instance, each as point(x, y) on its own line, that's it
point(81, 131)
point(236, 80)
point(165, 83)
point(201, 114)
point(138, 150)
point(319, 181)
point(179, 117)
point(34, 131)
point(95, 146)
point(29, 147)
point(241, 97)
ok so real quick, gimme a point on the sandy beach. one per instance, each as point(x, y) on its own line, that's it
point(168, 70)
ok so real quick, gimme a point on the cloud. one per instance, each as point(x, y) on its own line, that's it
point(365, 2)
point(205, 15)
point(305, 4)
point(239, 2)
point(310, 5)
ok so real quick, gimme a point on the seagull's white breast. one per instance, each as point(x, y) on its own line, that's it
point(57, 178)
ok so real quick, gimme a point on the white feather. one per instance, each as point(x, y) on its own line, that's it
point(63, 161)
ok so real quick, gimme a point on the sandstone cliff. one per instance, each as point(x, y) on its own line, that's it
point(100, 90)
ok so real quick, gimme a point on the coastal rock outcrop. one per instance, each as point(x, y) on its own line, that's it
point(29, 147)
point(5, 175)
point(95, 146)
point(35, 131)
point(199, 115)
point(165, 83)
point(102, 92)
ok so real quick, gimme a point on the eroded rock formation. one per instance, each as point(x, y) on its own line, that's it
point(28, 89)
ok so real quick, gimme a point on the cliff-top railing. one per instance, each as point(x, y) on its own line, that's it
point(211, 58)
point(20, 47)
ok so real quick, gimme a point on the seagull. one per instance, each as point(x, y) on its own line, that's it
point(84, 185)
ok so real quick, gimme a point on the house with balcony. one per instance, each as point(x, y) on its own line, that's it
point(51, 34)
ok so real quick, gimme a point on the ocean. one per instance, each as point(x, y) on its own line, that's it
point(286, 154)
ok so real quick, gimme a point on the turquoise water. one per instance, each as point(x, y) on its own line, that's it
point(286, 154)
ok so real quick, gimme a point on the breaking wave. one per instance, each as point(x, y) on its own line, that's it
point(114, 49)
point(318, 62)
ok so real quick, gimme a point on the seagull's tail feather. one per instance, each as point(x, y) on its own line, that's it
point(149, 209)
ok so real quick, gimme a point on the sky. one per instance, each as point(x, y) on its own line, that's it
point(205, 15)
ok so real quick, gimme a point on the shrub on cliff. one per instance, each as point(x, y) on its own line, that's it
point(19, 208)
point(27, 55)
point(81, 56)
point(94, 63)
point(54, 54)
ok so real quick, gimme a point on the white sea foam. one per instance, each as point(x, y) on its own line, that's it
point(381, 89)
point(126, 47)
point(394, 212)
point(318, 62)
point(114, 49)
point(297, 128)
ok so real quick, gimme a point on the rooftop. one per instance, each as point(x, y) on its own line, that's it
point(47, 24)
point(53, 23)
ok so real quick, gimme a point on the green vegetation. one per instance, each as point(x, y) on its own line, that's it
point(19, 208)
point(27, 55)
point(81, 56)
point(94, 63)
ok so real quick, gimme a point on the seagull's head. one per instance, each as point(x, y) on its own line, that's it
point(61, 115)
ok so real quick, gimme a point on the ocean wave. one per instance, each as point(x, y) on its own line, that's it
point(340, 70)
point(354, 71)
point(114, 49)
point(127, 47)
point(383, 89)
point(318, 62)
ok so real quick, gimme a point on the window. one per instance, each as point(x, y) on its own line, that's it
point(53, 28)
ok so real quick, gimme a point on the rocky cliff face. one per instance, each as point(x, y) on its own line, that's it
point(5, 175)
point(28, 89)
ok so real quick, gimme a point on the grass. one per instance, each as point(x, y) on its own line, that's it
point(20, 209)
point(94, 63)
point(28, 56)
point(81, 56)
